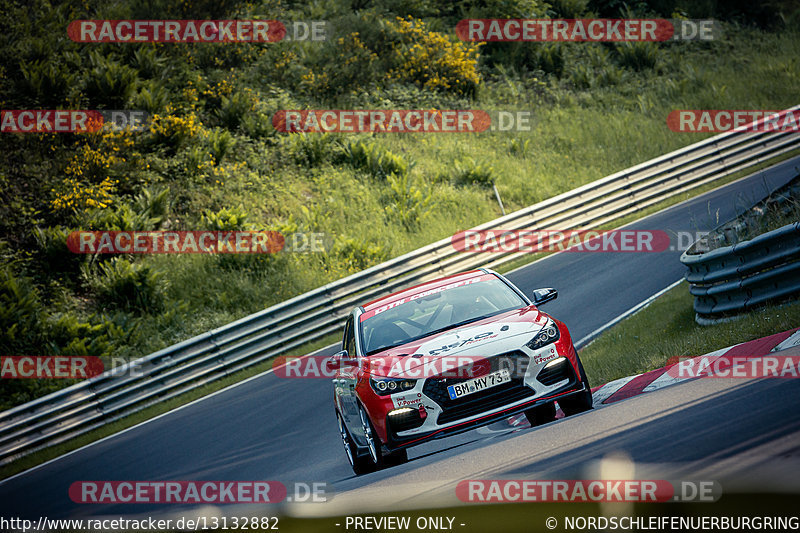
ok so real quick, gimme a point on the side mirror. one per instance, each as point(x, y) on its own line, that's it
point(541, 296)
point(338, 361)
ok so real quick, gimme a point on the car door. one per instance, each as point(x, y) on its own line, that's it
point(347, 376)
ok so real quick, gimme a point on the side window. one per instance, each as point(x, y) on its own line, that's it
point(349, 340)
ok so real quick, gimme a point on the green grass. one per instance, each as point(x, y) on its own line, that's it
point(666, 329)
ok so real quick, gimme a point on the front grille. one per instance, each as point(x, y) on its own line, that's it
point(555, 373)
point(485, 400)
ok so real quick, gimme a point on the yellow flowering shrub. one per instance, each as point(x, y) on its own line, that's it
point(74, 194)
point(88, 183)
point(431, 60)
point(386, 52)
point(173, 130)
point(221, 88)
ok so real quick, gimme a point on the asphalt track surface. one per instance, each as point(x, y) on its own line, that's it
point(743, 433)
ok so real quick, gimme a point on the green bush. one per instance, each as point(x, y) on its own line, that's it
point(150, 97)
point(22, 316)
point(568, 9)
point(48, 83)
point(27, 329)
point(150, 65)
point(526, 57)
point(234, 109)
point(309, 149)
point(582, 76)
point(226, 219)
point(585, 77)
point(98, 336)
point(128, 286)
point(109, 84)
point(407, 204)
point(220, 143)
point(512, 9)
point(356, 255)
point(638, 56)
point(468, 172)
point(376, 52)
point(53, 255)
point(373, 159)
point(147, 211)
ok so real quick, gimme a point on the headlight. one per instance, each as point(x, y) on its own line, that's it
point(385, 386)
point(548, 334)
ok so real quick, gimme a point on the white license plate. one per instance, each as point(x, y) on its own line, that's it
point(478, 384)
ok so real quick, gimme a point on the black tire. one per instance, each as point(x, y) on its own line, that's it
point(578, 403)
point(541, 414)
point(360, 465)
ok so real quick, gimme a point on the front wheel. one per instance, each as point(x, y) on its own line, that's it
point(376, 458)
point(360, 465)
point(578, 403)
point(375, 455)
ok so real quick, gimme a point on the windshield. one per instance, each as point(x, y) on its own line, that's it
point(436, 310)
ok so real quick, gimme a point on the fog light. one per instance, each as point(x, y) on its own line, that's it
point(555, 362)
point(555, 371)
point(404, 418)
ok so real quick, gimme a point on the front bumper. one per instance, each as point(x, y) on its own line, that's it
point(532, 384)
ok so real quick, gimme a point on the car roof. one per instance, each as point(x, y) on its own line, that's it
point(433, 284)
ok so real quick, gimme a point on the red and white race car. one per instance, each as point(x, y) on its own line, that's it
point(447, 356)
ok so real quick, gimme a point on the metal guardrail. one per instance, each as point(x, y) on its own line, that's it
point(734, 279)
point(281, 328)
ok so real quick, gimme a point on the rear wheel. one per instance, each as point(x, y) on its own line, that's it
point(541, 414)
point(578, 403)
point(360, 465)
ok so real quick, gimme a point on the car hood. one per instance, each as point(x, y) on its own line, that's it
point(481, 339)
